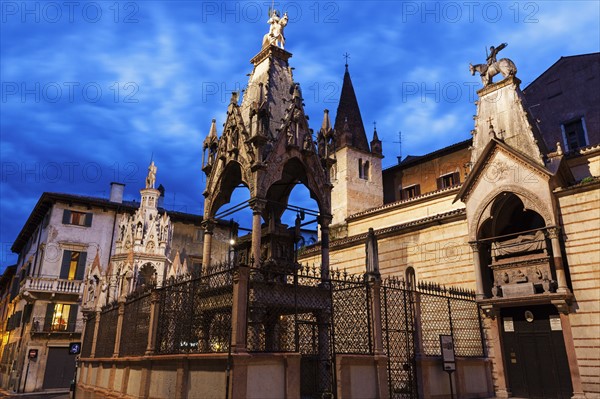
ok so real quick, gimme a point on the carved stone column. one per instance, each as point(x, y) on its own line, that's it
point(209, 226)
point(477, 266)
point(325, 221)
point(324, 348)
point(258, 206)
point(153, 323)
point(239, 310)
point(374, 281)
point(502, 389)
point(121, 313)
point(95, 332)
point(553, 234)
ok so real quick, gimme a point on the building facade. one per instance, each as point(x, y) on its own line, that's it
point(73, 248)
point(512, 213)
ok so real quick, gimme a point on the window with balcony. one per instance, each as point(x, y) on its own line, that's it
point(60, 317)
point(73, 265)
point(77, 218)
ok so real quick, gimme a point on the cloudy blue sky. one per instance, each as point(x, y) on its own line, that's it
point(91, 90)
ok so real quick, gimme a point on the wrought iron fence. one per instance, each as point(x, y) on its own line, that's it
point(351, 314)
point(107, 331)
point(295, 309)
point(449, 311)
point(195, 315)
point(136, 324)
point(398, 328)
point(88, 338)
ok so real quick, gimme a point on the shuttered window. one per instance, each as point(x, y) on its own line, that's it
point(410, 191)
point(73, 265)
point(77, 218)
point(60, 317)
point(449, 180)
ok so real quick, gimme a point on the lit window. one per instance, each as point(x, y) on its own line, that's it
point(73, 265)
point(60, 317)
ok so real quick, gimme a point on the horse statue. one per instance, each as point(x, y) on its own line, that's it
point(504, 66)
point(275, 36)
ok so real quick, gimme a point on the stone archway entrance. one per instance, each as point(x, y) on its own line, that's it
point(534, 352)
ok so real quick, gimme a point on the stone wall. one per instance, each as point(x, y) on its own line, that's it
point(351, 193)
point(580, 211)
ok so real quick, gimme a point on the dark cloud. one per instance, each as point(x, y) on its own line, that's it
point(90, 95)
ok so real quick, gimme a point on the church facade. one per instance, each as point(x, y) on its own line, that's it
point(512, 213)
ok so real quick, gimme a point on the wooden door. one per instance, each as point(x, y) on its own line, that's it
point(534, 353)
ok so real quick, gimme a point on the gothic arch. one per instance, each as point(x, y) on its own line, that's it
point(296, 168)
point(220, 192)
point(531, 201)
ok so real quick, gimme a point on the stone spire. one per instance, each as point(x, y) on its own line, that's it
point(326, 125)
point(376, 148)
point(348, 113)
point(270, 88)
point(502, 115)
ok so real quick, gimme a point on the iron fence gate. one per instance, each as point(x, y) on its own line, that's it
point(399, 340)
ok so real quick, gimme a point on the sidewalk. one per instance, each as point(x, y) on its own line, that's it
point(62, 394)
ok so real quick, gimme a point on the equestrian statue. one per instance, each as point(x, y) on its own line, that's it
point(275, 36)
point(492, 67)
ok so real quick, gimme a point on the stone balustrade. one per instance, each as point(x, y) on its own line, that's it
point(53, 284)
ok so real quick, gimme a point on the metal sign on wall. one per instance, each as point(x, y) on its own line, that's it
point(447, 347)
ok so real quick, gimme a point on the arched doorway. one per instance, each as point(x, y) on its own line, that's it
point(518, 276)
point(146, 277)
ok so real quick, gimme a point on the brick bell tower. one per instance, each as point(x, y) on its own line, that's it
point(356, 177)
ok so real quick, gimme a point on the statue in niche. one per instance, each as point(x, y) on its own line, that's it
point(291, 138)
point(321, 144)
point(492, 67)
point(275, 36)
point(307, 146)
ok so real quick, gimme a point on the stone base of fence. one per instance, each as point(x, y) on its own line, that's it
point(472, 378)
point(361, 376)
point(256, 375)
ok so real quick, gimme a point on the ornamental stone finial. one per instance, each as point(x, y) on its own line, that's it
point(275, 36)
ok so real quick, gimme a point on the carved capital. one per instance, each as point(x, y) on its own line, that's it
point(561, 305)
point(325, 221)
point(155, 296)
point(474, 246)
point(208, 225)
point(553, 232)
point(489, 311)
point(257, 205)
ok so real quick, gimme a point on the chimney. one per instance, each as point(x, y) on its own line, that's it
point(116, 192)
